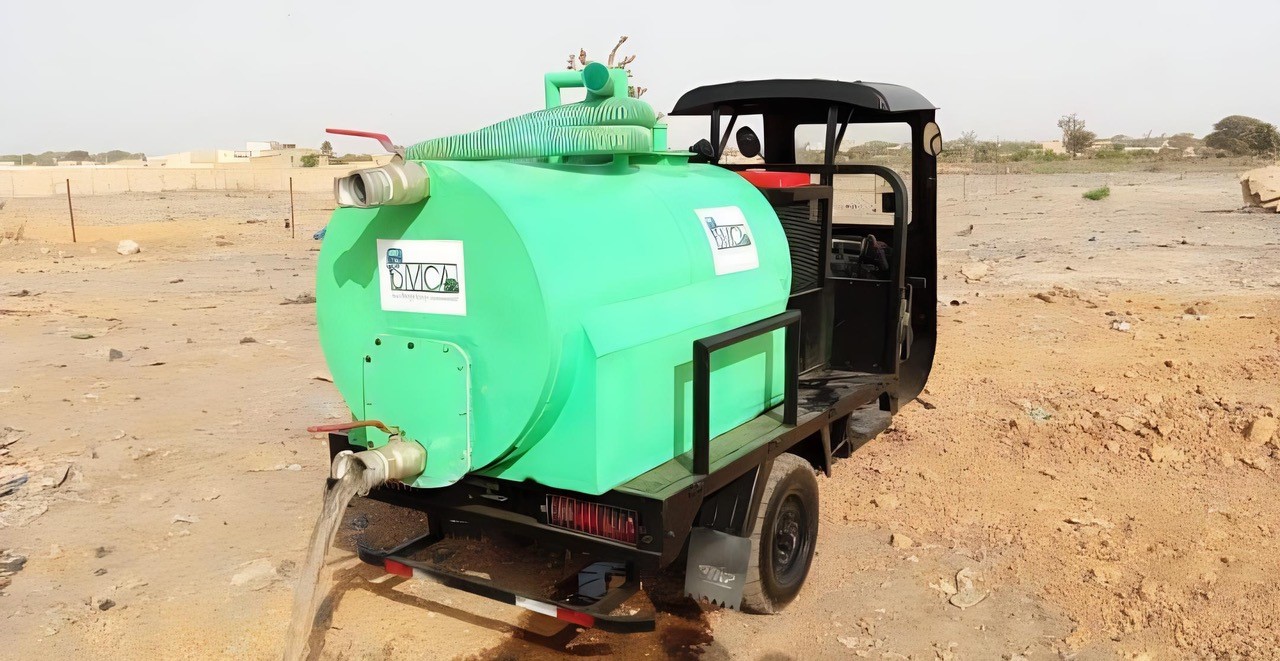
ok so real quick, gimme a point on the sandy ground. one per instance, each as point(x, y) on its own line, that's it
point(1096, 445)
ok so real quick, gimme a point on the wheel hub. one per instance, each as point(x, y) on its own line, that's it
point(790, 536)
point(787, 540)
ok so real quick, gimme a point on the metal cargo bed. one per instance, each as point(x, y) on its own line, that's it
point(823, 395)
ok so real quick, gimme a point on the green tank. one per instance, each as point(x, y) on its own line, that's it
point(531, 315)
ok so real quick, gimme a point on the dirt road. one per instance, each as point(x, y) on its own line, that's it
point(1096, 445)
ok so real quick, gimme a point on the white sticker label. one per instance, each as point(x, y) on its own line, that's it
point(422, 276)
point(733, 248)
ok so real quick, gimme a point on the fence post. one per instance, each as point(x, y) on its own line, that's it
point(293, 221)
point(71, 212)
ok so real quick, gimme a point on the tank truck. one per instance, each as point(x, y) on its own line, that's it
point(558, 329)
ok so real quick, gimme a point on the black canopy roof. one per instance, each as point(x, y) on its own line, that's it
point(806, 100)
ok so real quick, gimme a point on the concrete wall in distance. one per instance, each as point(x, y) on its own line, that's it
point(42, 181)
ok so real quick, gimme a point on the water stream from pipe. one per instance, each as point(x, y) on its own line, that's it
point(308, 594)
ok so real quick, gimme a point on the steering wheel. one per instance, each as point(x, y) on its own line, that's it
point(872, 254)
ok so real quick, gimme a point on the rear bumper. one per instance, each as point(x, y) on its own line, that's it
point(475, 508)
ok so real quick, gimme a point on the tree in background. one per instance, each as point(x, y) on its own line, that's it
point(1244, 136)
point(326, 148)
point(1183, 140)
point(117, 155)
point(1075, 138)
point(965, 144)
point(310, 160)
point(52, 157)
point(579, 60)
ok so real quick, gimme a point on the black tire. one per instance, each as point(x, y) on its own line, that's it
point(784, 538)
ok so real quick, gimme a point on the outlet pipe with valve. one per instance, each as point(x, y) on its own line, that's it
point(397, 460)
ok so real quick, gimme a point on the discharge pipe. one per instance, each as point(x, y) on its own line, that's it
point(397, 460)
point(398, 182)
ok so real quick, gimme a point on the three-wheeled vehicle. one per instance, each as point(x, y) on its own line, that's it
point(740, 509)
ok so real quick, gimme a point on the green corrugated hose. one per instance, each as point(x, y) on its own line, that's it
point(603, 123)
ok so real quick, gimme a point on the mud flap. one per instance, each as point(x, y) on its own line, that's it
point(717, 568)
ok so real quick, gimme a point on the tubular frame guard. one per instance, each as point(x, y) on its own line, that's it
point(595, 616)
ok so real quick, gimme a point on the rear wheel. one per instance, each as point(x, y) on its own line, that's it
point(785, 534)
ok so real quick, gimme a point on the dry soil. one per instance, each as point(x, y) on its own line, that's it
point(1096, 446)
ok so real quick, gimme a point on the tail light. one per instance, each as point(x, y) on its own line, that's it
point(592, 519)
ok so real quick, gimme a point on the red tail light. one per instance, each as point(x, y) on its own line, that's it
point(397, 568)
point(593, 519)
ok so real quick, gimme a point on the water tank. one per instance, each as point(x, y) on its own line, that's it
point(533, 319)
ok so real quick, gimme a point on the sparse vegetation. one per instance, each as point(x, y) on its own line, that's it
point(1075, 138)
point(962, 146)
point(969, 149)
point(52, 157)
point(310, 160)
point(1241, 135)
point(1097, 193)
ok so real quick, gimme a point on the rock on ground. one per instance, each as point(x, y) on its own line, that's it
point(1261, 188)
point(1261, 430)
point(255, 574)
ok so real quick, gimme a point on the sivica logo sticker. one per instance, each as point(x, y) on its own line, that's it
point(425, 277)
point(732, 247)
point(728, 236)
point(716, 574)
point(422, 276)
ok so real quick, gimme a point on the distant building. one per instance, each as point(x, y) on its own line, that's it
point(206, 158)
point(256, 154)
point(1053, 146)
point(256, 148)
point(260, 153)
point(1162, 145)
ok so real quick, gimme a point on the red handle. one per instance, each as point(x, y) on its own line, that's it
point(345, 426)
point(380, 137)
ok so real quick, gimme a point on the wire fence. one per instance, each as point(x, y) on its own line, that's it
point(85, 181)
point(97, 216)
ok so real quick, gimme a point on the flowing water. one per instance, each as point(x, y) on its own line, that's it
point(308, 595)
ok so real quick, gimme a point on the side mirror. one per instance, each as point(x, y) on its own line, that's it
point(932, 139)
point(748, 142)
point(702, 151)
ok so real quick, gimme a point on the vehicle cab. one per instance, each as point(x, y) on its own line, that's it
point(865, 285)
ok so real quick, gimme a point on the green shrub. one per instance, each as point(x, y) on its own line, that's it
point(1112, 155)
point(1097, 193)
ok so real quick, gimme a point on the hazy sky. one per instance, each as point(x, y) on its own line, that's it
point(165, 75)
